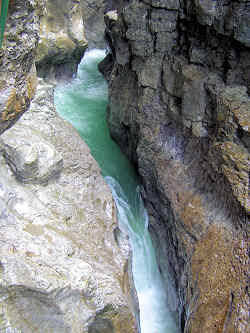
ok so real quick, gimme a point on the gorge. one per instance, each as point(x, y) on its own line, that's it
point(179, 107)
point(178, 78)
point(83, 104)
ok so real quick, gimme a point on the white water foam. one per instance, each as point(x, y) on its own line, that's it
point(155, 315)
point(77, 102)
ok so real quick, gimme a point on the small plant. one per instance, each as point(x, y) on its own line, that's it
point(3, 16)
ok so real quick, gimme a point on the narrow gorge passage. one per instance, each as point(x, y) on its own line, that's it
point(83, 103)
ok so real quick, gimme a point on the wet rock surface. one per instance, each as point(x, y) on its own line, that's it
point(61, 269)
point(62, 41)
point(93, 19)
point(17, 70)
point(179, 108)
point(93, 13)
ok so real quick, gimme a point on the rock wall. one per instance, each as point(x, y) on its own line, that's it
point(61, 269)
point(179, 106)
point(93, 18)
point(17, 69)
point(67, 29)
point(62, 41)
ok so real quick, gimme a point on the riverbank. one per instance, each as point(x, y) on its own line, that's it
point(61, 267)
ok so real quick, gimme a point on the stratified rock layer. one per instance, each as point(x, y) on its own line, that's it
point(179, 85)
point(61, 269)
point(17, 70)
point(62, 41)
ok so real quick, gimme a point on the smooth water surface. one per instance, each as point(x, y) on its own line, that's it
point(83, 103)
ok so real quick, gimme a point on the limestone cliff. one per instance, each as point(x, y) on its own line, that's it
point(179, 106)
point(17, 69)
point(61, 269)
point(93, 19)
point(62, 41)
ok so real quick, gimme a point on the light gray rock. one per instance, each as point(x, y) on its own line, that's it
point(61, 269)
point(34, 161)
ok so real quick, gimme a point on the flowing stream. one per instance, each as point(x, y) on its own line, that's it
point(83, 103)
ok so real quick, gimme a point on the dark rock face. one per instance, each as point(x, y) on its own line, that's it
point(93, 13)
point(179, 106)
point(93, 19)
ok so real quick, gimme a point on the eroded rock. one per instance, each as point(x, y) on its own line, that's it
point(93, 18)
point(179, 108)
point(62, 41)
point(33, 161)
point(17, 69)
point(61, 269)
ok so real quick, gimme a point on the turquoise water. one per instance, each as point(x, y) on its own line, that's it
point(83, 102)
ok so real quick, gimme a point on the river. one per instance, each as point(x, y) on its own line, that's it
point(83, 103)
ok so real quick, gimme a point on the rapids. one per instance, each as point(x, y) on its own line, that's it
point(83, 103)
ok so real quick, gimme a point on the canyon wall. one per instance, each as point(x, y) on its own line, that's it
point(61, 269)
point(179, 107)
point(17, 68)
point(66, 30)
point(62, 40)
point(93, 18)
